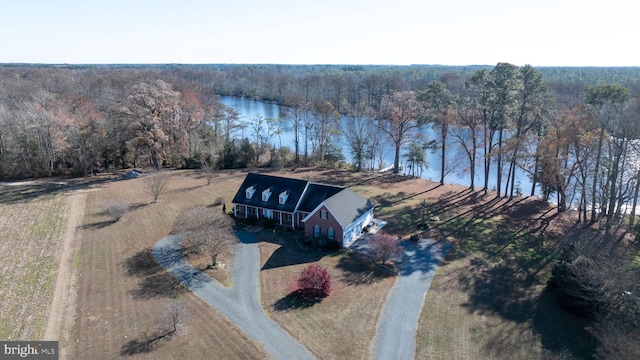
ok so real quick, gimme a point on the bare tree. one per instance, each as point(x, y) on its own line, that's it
point(399, 120)
point(383, 247)
point(207, 230)
point(359, 136)
point(167, 324)
point(156, 183)
point(116, 208)
point(208, 170)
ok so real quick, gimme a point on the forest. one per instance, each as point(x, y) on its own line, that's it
point(572, 130)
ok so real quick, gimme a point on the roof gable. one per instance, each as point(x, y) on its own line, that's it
point(345, 206)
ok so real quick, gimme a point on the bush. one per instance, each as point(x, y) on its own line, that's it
point(268, 223)
point(585, 281)
point(116, 209)
point(384, 247)
point(251, 220)
point(314, 283)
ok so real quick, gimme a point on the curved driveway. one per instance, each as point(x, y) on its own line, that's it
point(240, 303)
point(396, 332)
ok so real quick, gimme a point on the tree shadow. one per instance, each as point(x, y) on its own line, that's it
point(290, 254)
point(158, 286)
point(137, 346)
point(359, 270)
point(553, 323)
point(142, 264)
point(294, 301)
point(97, 225)
point(422, 256)
point(156, 281)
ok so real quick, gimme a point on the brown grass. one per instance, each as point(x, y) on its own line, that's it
point(121, 289)
point(342, 325)
point(486, 301)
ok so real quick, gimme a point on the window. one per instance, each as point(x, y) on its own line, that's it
point(283, 197)
point(249, 192)
point(266, 194)
point(316, 230)
point(323, 214)
point(331, 233)
point(267, 213)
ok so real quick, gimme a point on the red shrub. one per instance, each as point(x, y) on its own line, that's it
point(314, 283)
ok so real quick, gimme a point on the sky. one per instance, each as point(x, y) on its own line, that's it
point(390, 32)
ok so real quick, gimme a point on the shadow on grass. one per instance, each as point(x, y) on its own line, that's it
point(554, 324)
point(145, 344)
point(97, 225)
point(290, 254)
point(295, 301)
point(359, 270)
point(142, 264)
point(31, 190)
point(156, 281)
point(137, 346)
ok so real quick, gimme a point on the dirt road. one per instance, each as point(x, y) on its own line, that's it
point(62, 313)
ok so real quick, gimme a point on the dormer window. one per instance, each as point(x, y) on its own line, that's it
point(283, 197)
point(266, 194)
point(249, 192)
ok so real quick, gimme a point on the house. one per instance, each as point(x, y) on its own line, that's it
point(320, 209)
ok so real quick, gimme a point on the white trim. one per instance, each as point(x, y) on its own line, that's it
point(282, 198)
point(265, 194)
point(295, 209)
point(248, 193)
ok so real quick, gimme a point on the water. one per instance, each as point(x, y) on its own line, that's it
point(249, 110)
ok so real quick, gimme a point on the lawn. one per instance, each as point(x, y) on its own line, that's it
point(341, 326)
point(121, 289)
point(486, 301)
point(32, 224)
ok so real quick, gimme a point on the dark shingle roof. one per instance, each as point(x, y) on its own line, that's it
point(315, 194)
point(347, 206)
point(277, 184)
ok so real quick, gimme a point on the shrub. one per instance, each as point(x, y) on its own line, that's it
point(251, 220)
point(384, 247)
point(116, 209)
point(314, 283)
point(218, 201)
point(268, 223)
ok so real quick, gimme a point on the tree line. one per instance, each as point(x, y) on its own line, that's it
point(574, 138)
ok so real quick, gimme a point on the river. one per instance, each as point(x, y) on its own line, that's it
point(249, 110)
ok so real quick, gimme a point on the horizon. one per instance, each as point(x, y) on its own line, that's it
point(280, 64)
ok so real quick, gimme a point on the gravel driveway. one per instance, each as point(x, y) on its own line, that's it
point(396, 333)
point(239, 303)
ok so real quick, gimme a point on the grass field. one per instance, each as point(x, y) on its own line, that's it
point(121, 289)
point(487, 300)
point(341, 326)
point(32, 223)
